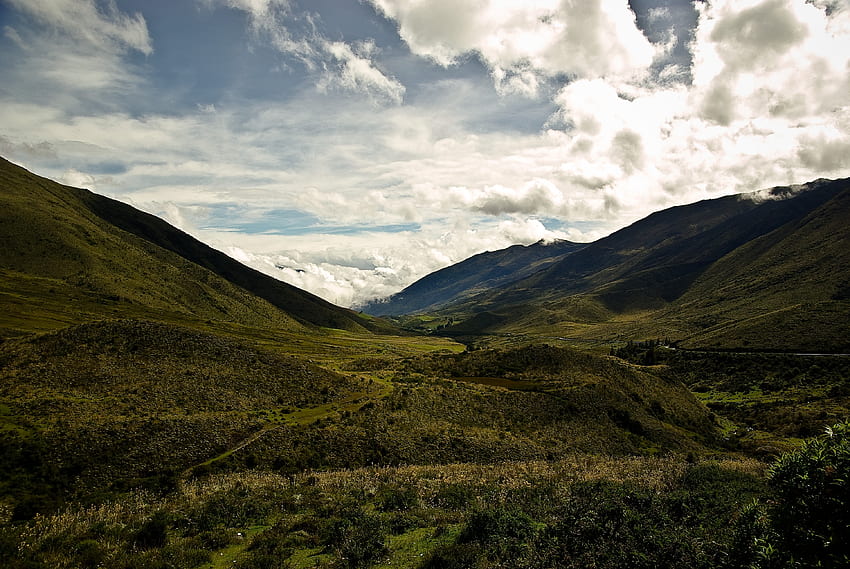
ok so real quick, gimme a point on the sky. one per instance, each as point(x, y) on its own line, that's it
point(350, 147)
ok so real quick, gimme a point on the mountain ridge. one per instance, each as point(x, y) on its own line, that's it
point(72, 240)
point(482, 271)
point(630, 282)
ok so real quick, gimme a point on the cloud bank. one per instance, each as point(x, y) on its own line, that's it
point(523, 43)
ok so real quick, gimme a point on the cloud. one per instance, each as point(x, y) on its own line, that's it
point(335, 64)
point(826, 152)
point(757, 35)
point(535, 197)
point(77, 179)
point(354, 71)
point(12, 149)
point(768, 106)
point(525, 42)
point(352, 269)
point(102, 26)
point(354, 203)
point(527, 231)
point(75, 52)
point(782, 58)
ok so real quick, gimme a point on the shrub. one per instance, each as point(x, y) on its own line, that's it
point(235, 507)
point(497, 524)
point(153, 533)
point(89, 553)
point(811, 510)
point(359, 540)
point(454, 496)
point(503, 534)
point(455, 556)
point(395, 498)
point(609, 525)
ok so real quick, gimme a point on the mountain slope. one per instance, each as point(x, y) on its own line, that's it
point(698, 270)
point(72, 248)
point(792, 285)
point(477, 274)
point(662, 254)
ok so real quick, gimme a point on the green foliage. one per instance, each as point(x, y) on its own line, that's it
point(234, 507)
point(153, 533)
point(394, 498)
point(811, 507)
point(612, 525)
point(502, 533)
point(780, 395)
point(269, 550)
point(625, 512)
point(359, 539)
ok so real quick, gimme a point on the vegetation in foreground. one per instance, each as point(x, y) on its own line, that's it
point(766, 401)
point(481, 459)
point(577, 512)
point(463, 515)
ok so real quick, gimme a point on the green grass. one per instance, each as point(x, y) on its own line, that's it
point(227, 557)
point(308, 558)
point(417, 512)
point(410, 549)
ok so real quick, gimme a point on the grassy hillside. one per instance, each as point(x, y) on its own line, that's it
point(76, 256)
point(733, 272)
point(96, 407)
point(111, 405)
point(787, 288)
point(187, 449)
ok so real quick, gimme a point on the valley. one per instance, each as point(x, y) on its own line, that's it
point(610, 404)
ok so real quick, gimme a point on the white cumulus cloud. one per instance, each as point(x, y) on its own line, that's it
point(522, 42)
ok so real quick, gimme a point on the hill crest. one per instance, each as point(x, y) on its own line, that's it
point(76, 247)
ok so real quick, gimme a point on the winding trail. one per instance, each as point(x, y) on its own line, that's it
point(303, 416)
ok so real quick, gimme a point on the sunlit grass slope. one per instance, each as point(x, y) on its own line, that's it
point(68, 256)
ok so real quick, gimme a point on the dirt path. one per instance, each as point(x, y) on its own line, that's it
point(301, 417)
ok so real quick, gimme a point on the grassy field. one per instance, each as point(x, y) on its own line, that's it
point(384, 516)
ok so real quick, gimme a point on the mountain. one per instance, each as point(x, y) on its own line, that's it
point(80, 255)
point(161, 405)
point(479, 273)
point(656, 259)
point(790, 287)
point(688, 273)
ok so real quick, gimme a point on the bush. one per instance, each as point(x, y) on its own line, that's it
point(359, 540)
point(454, 496)
point(503, 534)
point(236, 507)
point(89, 553)
point(495, 525)
point(609, 525)
point(396, 498)
point(455, 556)
point(153, 533)
point(811, 509)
